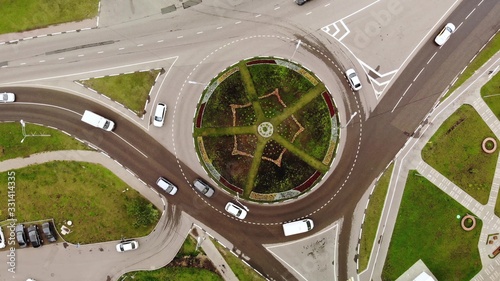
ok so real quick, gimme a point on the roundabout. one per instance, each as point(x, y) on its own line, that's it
point(266, 128)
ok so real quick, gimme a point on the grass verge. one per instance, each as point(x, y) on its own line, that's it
point(372, 218)
point(131, 90)
point(427, 229)
point(11, 136)
point(23, 15)
point(241, 270)
point(491, 49)
point(92, 197)
point(455, 151)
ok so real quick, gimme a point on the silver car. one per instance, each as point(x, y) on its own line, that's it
point(203, 188)
point(7, 97)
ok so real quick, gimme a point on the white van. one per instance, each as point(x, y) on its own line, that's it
point(97, 120)
point(297, 227)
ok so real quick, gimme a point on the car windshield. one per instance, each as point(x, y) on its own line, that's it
point(158, 118)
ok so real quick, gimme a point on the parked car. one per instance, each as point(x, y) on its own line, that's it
point(34, 236)
point(7, 97)
point(48, 231)
point(2, 239)
point(21, 236)
point(164, 184)
point(159, 117)
point(203, 187)
point(236, 210)
point(353, 79)
point(445, 34)
point(125, 246)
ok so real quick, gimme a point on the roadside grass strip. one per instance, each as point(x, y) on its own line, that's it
point(24, 15)
point(427, 228)
point(372, 218)
point(242, 271)
point(455, 151)
point(100, 205)
point(131, 90)
point(11, 136)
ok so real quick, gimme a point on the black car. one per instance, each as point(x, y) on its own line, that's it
point(48, 231)
point(21, 236)
point(34, 237)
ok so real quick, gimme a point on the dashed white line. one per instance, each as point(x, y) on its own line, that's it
point(459, 26)
point(119, 49)
point(480, 2)
point(431, 58)
point(238, 22)
point(277, 8)
point(258, 15)
point(23, 63)
point(81, 55)
point(42, 61)
point(401, 98)
point(470, 13)
point(100, 52)
point(219, 27)
point(140, 45)
point(418, 74)
point(327, 5)
point(159, 41)
point(308, 13)
point(60, 58)
point(179, 37)
point(199, 32)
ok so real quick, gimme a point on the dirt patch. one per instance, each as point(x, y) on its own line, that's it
point(200, 261)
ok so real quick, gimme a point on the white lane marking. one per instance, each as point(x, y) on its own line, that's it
point(130, 145)
point(81, 55)
point(23, 63)
point(416, 77)
point(179, 37)
point(258, 15)
point(140, 45)
point(238, 22)
point(199, 32)
point(431, 58)
point(60, 58)
point(100, 52)
point(327, 5)
point(119, 49)
point(277, 8)
point(42, 61)
point(480, 3)
point(401, 98)
point(219, 27)
point(470, 13)
point(308, 13)
point(159, 41)
point(459, 26)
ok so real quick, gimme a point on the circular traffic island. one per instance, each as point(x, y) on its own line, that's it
point(266, 128)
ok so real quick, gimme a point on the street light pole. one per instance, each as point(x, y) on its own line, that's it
point(352, 116)
point(196, 83)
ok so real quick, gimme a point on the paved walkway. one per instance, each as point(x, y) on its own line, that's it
point(410, 158)
point(170, 244)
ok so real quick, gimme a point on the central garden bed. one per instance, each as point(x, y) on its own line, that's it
point(266, 128)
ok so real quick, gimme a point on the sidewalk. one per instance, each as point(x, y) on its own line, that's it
point(409, 158)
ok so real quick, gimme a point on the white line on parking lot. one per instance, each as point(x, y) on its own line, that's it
point(470, 13)
point(431, 58)
point(418, 74)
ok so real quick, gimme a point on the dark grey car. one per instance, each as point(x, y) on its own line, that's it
point(21, 236)
point(34, 236)
point(48, 231)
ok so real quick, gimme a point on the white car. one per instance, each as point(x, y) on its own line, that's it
point(445, 34)
point(166, 185)
point(159, 117)
point(353, 79)
point(127, 246)
point(2, 239)
point(7, 97)
point(236, 210)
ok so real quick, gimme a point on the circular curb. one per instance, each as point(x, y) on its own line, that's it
point(473, 223)
point(485, 141)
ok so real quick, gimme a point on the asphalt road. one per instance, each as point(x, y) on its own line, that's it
point(379, 137)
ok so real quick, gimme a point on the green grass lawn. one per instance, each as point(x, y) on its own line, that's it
point(92, 197)
point(241, 270)
point(131, 90)
point(490, 93)
point(427, 229)
point(455, 151)
point(11, 136)
point(372, 218)
point(491, 48)
point(22, 15)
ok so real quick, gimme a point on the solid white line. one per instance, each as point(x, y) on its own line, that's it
point(431, 58)
point(94, 71)
point(130, 144)
point(480, 2)
point(418, 74)
point(470, 13)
